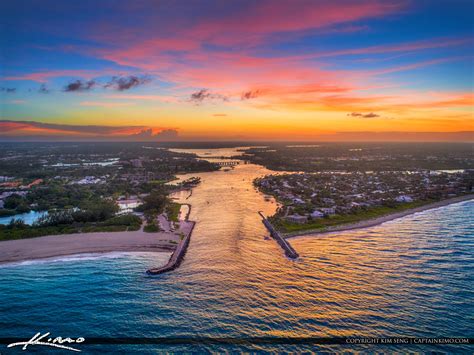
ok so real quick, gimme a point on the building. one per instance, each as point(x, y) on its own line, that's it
point(298, 201)
point(403, 198)
point(328, 210)
point(127, 206)
point(89, 180)
point(136, 163)
point(317, 214)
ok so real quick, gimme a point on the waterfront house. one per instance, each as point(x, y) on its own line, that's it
point(317, 214)
point(403, 198)
point(328, 210)
point(298, 201)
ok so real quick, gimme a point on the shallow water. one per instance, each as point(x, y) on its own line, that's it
point(28, 217)
point(409, 277)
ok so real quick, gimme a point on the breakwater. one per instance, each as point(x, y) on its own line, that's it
point(287, 248)
point(177, 256)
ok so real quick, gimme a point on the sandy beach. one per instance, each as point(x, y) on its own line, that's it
point(379, 220)
point(82, 243)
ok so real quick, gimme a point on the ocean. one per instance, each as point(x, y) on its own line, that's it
point(410, 277)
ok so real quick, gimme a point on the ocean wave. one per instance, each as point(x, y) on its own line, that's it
point(82, 257)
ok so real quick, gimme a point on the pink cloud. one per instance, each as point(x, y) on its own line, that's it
point(267, 17)
point(179, 52)
point(416, 65)
point(402, 47)
point(245, 27)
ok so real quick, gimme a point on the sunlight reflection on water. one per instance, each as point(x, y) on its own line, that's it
point(408, 277)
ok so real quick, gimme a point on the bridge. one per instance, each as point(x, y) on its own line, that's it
point(228, 163)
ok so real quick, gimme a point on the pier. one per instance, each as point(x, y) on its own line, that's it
point(287, 248)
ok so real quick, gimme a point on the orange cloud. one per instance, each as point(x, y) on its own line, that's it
point(33, 128)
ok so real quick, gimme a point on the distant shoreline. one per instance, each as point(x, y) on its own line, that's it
point(379, 220)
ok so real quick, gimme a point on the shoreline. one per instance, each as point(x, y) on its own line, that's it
point(53, 246)
point(379, 220)
point(80, 255)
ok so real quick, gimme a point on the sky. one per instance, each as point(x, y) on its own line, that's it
point(237, 70)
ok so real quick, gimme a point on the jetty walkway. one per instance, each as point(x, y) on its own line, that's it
point(178, 254)
point(287, 248)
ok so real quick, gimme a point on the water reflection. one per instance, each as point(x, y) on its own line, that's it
point(373, 281)
point(408, 277)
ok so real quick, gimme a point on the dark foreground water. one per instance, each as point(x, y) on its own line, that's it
point(409, 277)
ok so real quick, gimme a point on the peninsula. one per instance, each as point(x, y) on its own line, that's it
point(379, 220)
point(334, 201)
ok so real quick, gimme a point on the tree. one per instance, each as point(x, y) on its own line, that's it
point(16, 202)
point(156, 200)
point(55, 218)
point(96, 210)
point(16, 223)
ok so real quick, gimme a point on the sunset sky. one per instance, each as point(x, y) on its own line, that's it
point(235, 70)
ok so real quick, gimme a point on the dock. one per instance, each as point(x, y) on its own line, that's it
point(287, 248)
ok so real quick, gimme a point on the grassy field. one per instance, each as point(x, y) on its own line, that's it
point(336, 220)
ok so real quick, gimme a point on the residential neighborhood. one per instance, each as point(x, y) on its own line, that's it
point(310, 196)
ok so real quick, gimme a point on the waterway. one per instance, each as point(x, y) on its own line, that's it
point(409, 277)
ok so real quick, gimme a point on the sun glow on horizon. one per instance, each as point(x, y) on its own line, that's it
point(271, 70)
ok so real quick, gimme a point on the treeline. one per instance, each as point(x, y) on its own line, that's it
point(363, 156)
point(64, 223)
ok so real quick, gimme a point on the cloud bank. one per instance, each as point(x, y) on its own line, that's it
point(33, 130)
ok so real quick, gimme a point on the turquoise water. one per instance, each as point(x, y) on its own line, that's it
point(29, 217)
point(409, 277)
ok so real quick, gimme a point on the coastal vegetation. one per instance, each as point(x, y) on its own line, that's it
point(357, 156)
point(151, 227)
point(153, 205)
point(64, 223)
point(320, 224)
point(87, 186)
point(318, 201)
